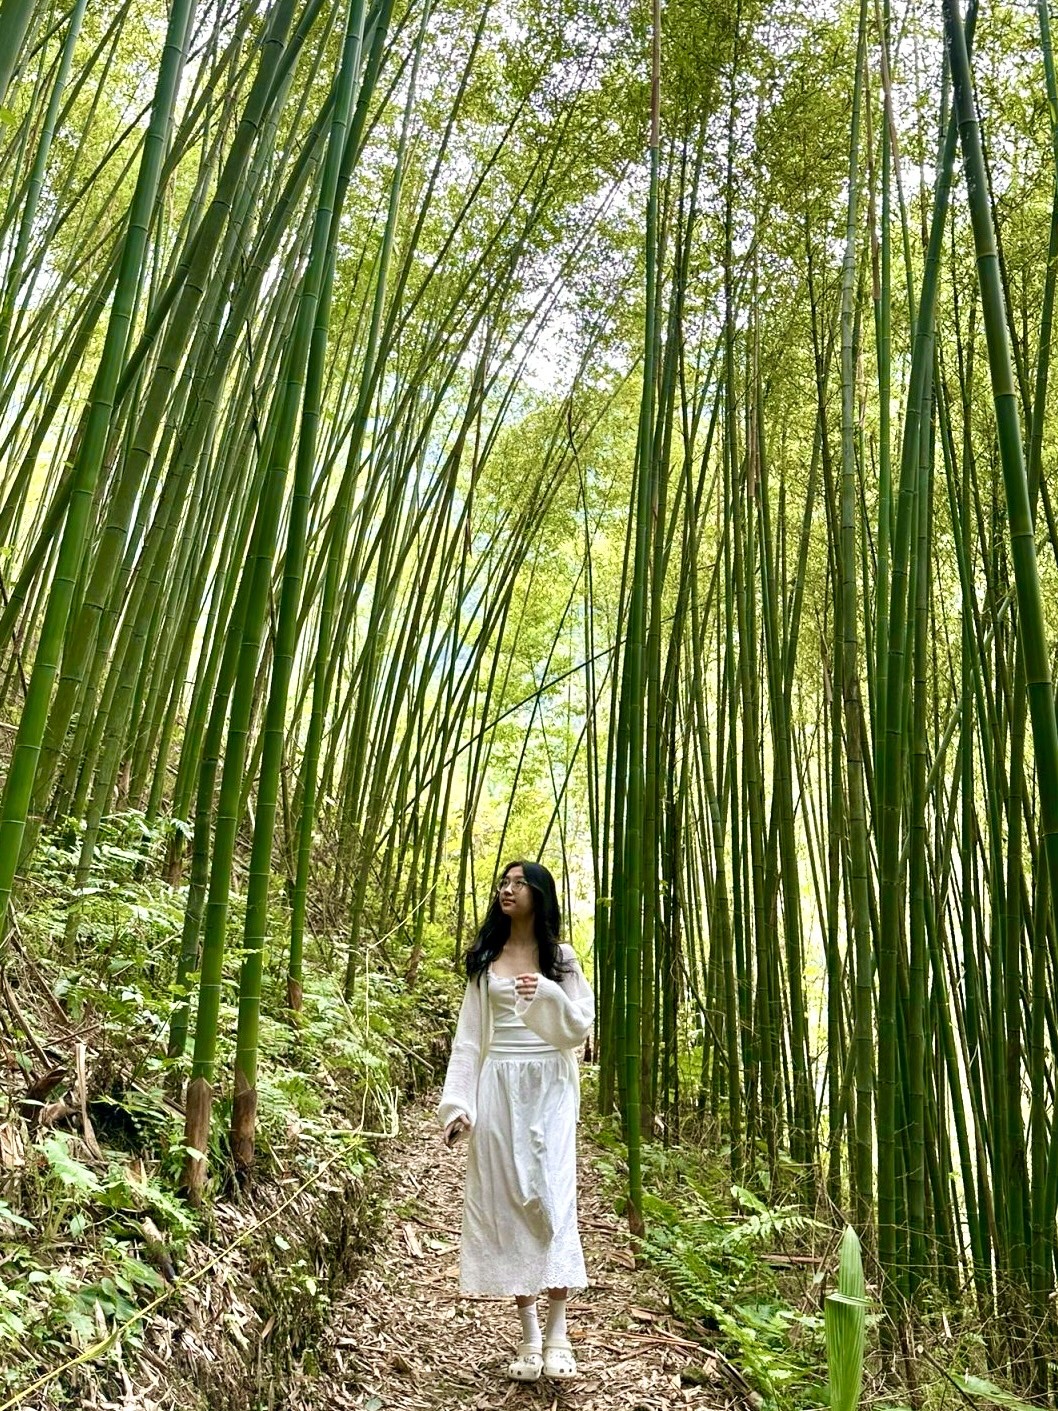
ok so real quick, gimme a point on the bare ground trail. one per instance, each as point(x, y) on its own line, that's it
point(403, 1338)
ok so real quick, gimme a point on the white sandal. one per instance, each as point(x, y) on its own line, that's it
point(527, 1364)
point(559, 1361)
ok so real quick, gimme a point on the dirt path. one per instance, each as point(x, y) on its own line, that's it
point(403, 1338)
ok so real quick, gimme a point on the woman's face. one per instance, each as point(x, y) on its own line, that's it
point(516, 895)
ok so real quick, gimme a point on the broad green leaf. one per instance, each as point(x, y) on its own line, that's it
point(9, 1216)
point(979, 1386)
point(748, 1199)
point(70, 1171)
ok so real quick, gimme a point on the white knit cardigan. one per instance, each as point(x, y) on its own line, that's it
point(561, 1013)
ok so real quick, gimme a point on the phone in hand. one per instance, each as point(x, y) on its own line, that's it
point(458, 1129)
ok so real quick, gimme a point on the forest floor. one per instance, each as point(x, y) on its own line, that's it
point(403, 1338)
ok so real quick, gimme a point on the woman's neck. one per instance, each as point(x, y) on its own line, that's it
point(522, 937)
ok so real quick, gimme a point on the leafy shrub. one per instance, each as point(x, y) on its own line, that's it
point(709, 1241)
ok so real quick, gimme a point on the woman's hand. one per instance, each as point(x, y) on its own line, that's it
point(525, 987)
point(458, 1127)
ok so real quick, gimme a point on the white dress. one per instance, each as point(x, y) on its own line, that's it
point(520, 1201)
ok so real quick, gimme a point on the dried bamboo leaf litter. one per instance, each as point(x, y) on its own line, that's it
point(403, 1338)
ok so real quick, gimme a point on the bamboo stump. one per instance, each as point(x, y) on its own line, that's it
point(196, 1137)
point(243, 1123)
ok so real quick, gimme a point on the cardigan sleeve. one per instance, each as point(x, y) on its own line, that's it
point(461, 1080)
point(562, 1012)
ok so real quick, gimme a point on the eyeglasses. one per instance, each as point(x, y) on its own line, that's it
point(511, 884)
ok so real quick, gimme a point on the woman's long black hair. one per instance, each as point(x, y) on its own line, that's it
point(547, 925)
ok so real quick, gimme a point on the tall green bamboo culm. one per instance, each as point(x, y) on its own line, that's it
point(14, 270)
point(323, 668)
point(630, 882)
point(18, 786)
point(859, 935)
point(16, 17)
point(892, 733)
point(303, 389)
point(1032, 632)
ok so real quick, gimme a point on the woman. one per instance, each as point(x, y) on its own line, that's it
point(514, 1086)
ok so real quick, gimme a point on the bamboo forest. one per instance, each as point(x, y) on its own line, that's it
point(614, 434)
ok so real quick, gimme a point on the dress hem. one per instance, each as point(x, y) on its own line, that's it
point(519, 1293)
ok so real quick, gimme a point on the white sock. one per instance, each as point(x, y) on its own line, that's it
point(555, 1327)
point(530, 1325)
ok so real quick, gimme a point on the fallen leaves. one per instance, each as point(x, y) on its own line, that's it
point(403, 1338)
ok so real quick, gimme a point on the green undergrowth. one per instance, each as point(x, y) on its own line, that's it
point(92, 1224)
point(746, 1274)
point(748, 1270)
